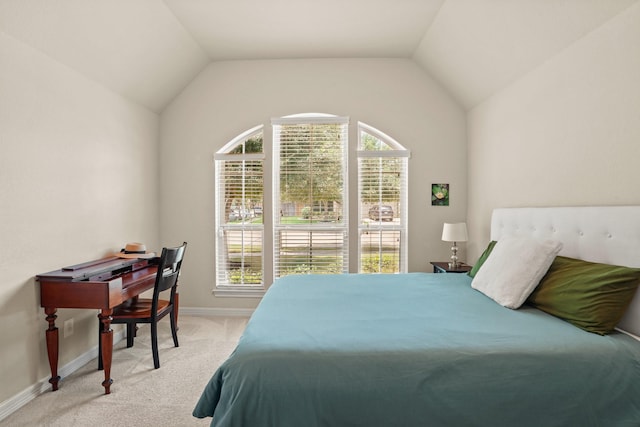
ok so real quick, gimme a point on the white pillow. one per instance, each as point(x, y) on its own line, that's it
point(514, 269)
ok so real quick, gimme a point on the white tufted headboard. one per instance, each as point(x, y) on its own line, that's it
point(605, 234)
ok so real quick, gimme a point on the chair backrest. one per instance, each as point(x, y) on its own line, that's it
point(168, 272)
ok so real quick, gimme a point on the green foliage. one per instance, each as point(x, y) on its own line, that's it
point(251, 145)
point(247, 276)
point(440, 194)
point(371, 143)
point(311, 163)
point(381, 175)
point(296, 265)
point(372, 263)
point(250, 171)
point(333, 268)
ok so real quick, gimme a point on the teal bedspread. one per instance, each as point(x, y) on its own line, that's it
point(417, 350)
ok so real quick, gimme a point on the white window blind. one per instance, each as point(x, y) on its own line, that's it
point(239, 215)
point(382, 191)
point(310, 195)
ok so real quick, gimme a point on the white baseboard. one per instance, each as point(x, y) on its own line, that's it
point(219, 312)
point(16, 402)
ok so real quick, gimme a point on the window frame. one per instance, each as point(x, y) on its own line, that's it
point(401, 226)
point(222, 286)
point(341, 226)
point(352, 209)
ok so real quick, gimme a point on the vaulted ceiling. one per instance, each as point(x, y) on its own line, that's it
point(149, 50)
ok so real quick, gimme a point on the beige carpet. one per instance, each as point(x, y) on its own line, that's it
point(141, 395)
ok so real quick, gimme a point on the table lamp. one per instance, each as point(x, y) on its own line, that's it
point(454, 233)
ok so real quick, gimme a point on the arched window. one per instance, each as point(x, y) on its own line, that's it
point(239, 215)
point(308, 211)
point(382, 204)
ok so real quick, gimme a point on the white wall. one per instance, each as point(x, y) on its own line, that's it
point(395, 96)
point(78, 179)
point(79, 173)
point(566, 134)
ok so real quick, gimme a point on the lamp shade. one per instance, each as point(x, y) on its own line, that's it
point(454, 232)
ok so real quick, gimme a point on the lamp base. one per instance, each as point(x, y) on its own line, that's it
point(454, 256)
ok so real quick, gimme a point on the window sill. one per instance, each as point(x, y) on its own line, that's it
point(230, 292)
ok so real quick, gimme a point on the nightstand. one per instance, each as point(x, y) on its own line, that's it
point(443, 267)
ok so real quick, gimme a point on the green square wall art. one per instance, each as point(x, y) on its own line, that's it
point(439, 194)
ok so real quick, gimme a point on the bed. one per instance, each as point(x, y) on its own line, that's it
point(423, 349)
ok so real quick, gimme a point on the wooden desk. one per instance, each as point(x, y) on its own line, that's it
point(101, 284)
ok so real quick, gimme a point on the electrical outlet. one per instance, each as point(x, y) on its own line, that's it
point(68, 328)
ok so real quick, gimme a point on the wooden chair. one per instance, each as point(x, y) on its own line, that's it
point(144, 310)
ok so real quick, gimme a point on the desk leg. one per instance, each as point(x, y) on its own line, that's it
point(106, 342)
point(52, 346)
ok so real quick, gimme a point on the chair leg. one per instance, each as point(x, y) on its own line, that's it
point(154, 344)
point(130, 334)
point(174, 329)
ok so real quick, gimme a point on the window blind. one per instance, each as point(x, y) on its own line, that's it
point(239, 215)
point(382, 191)
point(310, 195)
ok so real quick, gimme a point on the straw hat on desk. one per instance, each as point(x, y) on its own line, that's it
point(135, 250)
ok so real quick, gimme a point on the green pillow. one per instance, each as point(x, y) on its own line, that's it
point(591, 296)
point(482, 259)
